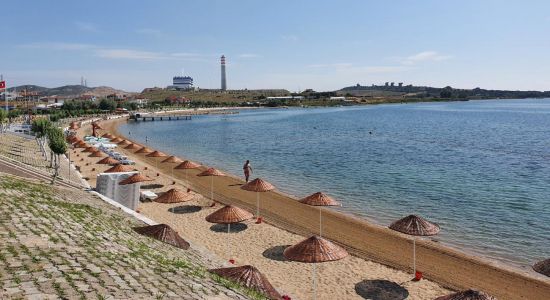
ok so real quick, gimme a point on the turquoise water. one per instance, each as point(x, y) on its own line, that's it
point(481, 169)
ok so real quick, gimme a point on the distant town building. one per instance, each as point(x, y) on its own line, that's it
point(182, 83)
point(387, 84)
point(400, 84)
point(393, 84)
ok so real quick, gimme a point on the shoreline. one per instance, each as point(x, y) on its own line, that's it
point(450, 267)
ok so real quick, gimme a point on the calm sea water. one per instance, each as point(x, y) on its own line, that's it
point(481, 169)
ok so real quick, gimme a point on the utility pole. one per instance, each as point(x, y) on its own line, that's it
point(5, 92)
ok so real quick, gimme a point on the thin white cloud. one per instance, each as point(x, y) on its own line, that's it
point(58, 46)
point(249, 55)
point(290, 37)
point(84, 26)
point(129, 54)
point(425, 56)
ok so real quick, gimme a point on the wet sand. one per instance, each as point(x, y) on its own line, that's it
point(288, 222)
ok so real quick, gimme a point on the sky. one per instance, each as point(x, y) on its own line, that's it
point(289, 44)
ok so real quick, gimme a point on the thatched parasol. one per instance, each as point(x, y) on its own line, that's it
point(124, 143)
point(227, 215)
point(543, 267)
point(120, 168)
point(319, 199)
point(186, 165)
point(173, 196)
point(249, 277)
point(96, 154)
point(116, 140)
point(315, 249)
point(90, 149)
point(144, 150)
point(171, 160)
point(415, 226)
point(258, 185)
point(135, 179)
point(74, 126)
point(156, 154)
point(164, 233)
point(81, 144)
point(467, 295)
point(211, 172)
point(107, 136)
point(108, 161)
point(133, 147)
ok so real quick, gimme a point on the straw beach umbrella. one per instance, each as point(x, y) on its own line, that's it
point(543, 267)
point(135, 179)
point(156, 154)
point(116, 140)
point(132, 147)
point(314, 250)
point(320, 199)
point(96, 154)
point(144, 150)
point(90, 149)
point(211, 172)
point(81, 144)
point(171, 160)
point(124, 143)
point(467, 295)
point(227, 215)
point(164, 233)
point(186, 165)
point(173, 196)
point(249, 277)
point(415, 226)
point(107, 136)
point(108, 161)
point(258, 185)
point(120, 168)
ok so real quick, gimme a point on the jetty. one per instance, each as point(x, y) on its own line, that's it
point(159, 117)
point(177, 115)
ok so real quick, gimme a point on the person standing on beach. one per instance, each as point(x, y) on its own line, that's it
point(247, 170)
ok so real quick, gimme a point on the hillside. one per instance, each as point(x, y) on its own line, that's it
point(434, 92)
point(69, 90)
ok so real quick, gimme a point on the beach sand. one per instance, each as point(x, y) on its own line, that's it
point(288, 222)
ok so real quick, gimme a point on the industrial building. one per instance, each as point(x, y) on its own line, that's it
point(182, 83)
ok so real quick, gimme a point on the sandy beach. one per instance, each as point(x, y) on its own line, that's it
point(288, 222)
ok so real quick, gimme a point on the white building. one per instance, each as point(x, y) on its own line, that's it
point(182, 83)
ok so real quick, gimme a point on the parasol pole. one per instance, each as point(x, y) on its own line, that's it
point(212, 188)
point(257, 205)
point(414, 255)
point(320, 226)
point(227, 243)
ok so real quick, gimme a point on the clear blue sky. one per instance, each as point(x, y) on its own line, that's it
point(295, 45)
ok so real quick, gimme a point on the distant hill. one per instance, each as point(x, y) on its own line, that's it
point(434, 92)
point(70, 90)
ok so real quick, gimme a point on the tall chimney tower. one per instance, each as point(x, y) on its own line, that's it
point(224, 83)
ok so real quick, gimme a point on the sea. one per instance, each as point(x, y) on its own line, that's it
point(480, 169)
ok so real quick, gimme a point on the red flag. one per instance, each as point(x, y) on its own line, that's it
point(2, 84)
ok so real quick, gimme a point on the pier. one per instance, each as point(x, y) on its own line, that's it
point(153, 117)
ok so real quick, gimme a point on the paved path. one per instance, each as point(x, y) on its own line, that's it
point(65, 243)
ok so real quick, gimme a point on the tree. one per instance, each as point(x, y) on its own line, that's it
point(107, 104)
point(57, 146)
point(3, 119)
point(40, 128)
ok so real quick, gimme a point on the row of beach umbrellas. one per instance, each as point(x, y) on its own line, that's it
point(314, 249)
